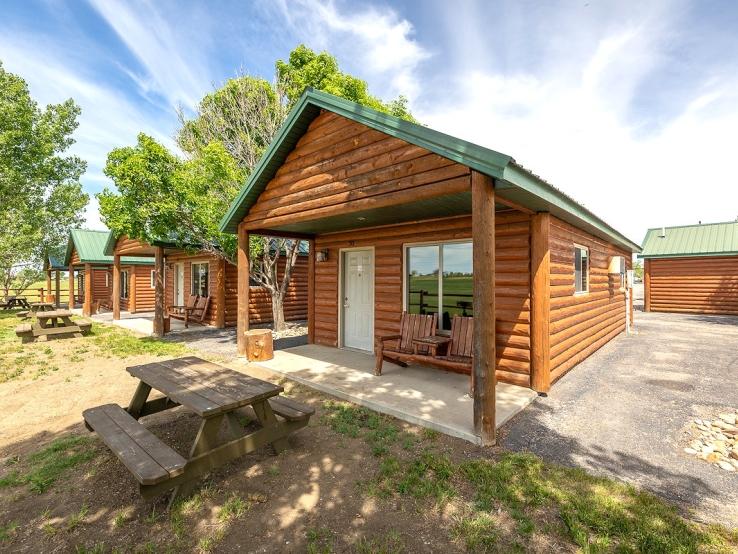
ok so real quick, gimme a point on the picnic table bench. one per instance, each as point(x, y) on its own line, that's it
point(53, 323)
point(212, 392)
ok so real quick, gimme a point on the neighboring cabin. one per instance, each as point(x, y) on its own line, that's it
point(193, 272)
point(87, 263)
point(389, 207)
point(691, 269)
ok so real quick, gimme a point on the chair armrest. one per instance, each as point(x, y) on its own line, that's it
point(385, 338)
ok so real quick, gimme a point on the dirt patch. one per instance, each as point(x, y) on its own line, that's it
point(351, 481)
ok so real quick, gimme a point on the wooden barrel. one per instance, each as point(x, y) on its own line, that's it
point(259, 345)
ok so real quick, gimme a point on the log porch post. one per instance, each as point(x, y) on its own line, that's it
point(48, 286)
point(87, 304)
point(483, 256)
point(646, 285)
point(57, 279)
point(71, 286)
point(540, 300)
point(116, 287)
point(159, 291)
point(311, 291)
point(242, 324)
point(220, 294)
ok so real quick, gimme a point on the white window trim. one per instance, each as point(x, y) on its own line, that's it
point(107, 277)
point(192, 274)
point(152, 279)
point(589, 266)
point(124, 284)
point(405, 247)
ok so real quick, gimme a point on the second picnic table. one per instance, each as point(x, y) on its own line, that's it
point(52, 323)
point(214, 393)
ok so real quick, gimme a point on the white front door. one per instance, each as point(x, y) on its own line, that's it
point(358, 299)
point(179, 285)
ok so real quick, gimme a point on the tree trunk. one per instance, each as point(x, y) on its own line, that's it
point(278, 311)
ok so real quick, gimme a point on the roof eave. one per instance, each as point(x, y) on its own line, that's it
point(524, 179)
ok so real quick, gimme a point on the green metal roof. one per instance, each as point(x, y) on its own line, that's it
point(512, 180)
point(52, 262)
point(90, 247)
point(710, 239)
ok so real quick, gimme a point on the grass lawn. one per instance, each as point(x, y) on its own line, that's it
point(352, 481)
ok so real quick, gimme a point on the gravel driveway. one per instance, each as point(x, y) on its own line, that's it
point(624, 412)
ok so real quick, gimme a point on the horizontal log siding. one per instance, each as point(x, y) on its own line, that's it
point(580, 324)
point(512, 281)
point(341, 166)
point(100, 291)
point(707, 285)
point(144, 290)
point(260, 301)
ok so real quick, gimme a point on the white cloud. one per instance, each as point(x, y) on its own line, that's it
point(172, 69)
point(578, 133)
point(377, 42)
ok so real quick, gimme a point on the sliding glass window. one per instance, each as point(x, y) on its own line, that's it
point(439, 280)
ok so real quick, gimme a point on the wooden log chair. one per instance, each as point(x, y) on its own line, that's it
point(197, 312)
point(182, 312)
point(459, 351)
point(412, 326)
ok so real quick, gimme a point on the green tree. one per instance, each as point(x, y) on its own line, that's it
point(306, 68)
point(160, 195)
point(41, 196)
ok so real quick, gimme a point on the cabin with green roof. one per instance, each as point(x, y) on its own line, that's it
point(403, 218)
point(90, 274)
point(691, 269)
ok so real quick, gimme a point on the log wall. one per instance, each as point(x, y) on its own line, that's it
point(341, 166)
point(582, 323)
point(102, 289)
point(512, 282)
point(145, 294)
point(707, 285)
point(260, 302)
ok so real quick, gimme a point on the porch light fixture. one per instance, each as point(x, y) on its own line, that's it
point(321, 255)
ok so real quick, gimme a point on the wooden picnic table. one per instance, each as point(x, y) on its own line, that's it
point(214, 393)
point(36, 307)
point(52, 323)
point(12, 302)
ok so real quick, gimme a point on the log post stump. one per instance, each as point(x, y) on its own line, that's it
point(259, 345)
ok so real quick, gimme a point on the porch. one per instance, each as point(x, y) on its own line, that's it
point(420, 395)
point(140, 322)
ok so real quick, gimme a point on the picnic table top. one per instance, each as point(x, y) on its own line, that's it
point(206, 388)
point(53, 313)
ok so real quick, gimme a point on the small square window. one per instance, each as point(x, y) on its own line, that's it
point(581, 269)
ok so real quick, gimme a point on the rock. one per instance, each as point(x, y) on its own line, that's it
point(713, 457)
point(696, 445)
point(726, 466)
point(720, 445)
point(698, 421)
point(691, 451)
point(728, 418)
point(708, 449)
point(734, 453)
point(720, 437)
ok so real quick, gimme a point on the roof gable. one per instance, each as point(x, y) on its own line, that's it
point(90, 247)
point(710, 239)
point(513, 181)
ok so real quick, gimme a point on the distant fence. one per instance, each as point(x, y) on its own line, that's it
point(41, 294)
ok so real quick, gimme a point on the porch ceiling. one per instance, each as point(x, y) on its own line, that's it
point(431, 208)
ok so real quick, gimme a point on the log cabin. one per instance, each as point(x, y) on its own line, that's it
point(691, 269)
point(401, 217)
point(196, 272)
point(91, 268)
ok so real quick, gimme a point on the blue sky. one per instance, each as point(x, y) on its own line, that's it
point(629, 107)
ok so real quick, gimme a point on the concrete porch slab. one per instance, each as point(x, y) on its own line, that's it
point(140, 322)
point(420, 395)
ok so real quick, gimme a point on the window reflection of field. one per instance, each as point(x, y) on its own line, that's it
point(457, 295)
